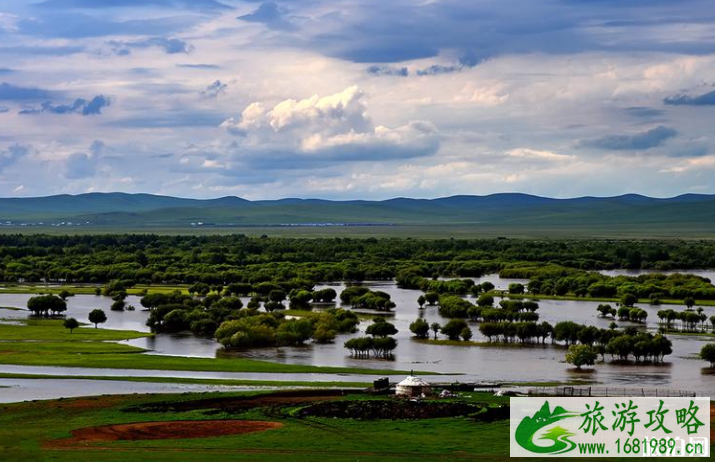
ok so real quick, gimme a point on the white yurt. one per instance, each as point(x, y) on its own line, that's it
point(413, 387)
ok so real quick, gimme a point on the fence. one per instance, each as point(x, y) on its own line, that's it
point(609, 391)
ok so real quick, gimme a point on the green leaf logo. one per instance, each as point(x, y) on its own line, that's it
point(558, 436)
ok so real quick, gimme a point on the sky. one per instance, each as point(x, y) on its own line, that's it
point(347, 99)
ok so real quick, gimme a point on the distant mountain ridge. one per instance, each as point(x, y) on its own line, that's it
point(505, 209)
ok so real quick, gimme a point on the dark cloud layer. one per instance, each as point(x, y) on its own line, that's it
point(169, 45)
point(399, 30)
point(639, 141)
point(708, 99)
point(387, 70)
point(199, 66)
point(214, 90)
point(79, 106)
point(271, 14)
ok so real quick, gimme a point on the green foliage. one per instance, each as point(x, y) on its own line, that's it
point(250, 329)
point(245, 266)
point(43, 305)
point(628, 300)
point(420, 328)
point(581, 355)
point(643, 346)
point(435, 327)
point(71, 324)
point(707, 353)
point(606, 310)
point(453, 329)
point(300, 299)
point(97, 316)
point(381, 328)
point(453, 306)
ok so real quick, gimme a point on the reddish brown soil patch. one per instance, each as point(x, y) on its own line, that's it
point(96, 402)
point(177, 429)
point(712, 421)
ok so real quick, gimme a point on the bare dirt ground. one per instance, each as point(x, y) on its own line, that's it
point(177, 429)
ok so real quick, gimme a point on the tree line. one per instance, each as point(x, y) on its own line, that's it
point(240, 259)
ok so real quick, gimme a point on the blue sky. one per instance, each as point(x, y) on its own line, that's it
point(348, 99)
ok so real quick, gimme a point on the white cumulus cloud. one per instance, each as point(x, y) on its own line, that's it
point(334, 125)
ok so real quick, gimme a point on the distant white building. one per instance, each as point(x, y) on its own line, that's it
point(413, 387)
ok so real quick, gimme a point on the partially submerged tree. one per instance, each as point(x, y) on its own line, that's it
point(581, 355)
point(707, 353)
point(46, 304)
point(420, 328)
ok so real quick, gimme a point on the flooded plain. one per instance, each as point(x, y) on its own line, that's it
point(537, 363)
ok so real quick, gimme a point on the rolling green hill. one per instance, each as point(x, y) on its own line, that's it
point(691, 214)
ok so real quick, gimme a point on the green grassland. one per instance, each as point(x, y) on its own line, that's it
point(47, 343)
point(299, 439)
point(28, 432)
point(84, 289)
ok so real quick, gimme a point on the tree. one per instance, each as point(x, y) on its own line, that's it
point(689, 302)
point(581, 355)
point(620, 346)
point(360, 347)
point(453, 306)
point(381, 328)
point(277, 296)
point(421, 300)
point(436, 327)
point(466, 334)
point(629, 300)
point(200, 288)
point(326, 295)
point(300, 299)
point(485, 300)
point(65, 294)
point(384, 346)
point(97, 316)
point(516, 288)
point(566, 331)
point(420, 328)
point(71, 324)
point(45, 304)
point(707, 353)
point(606, 310)
point(454, 327)
point(431, 298)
